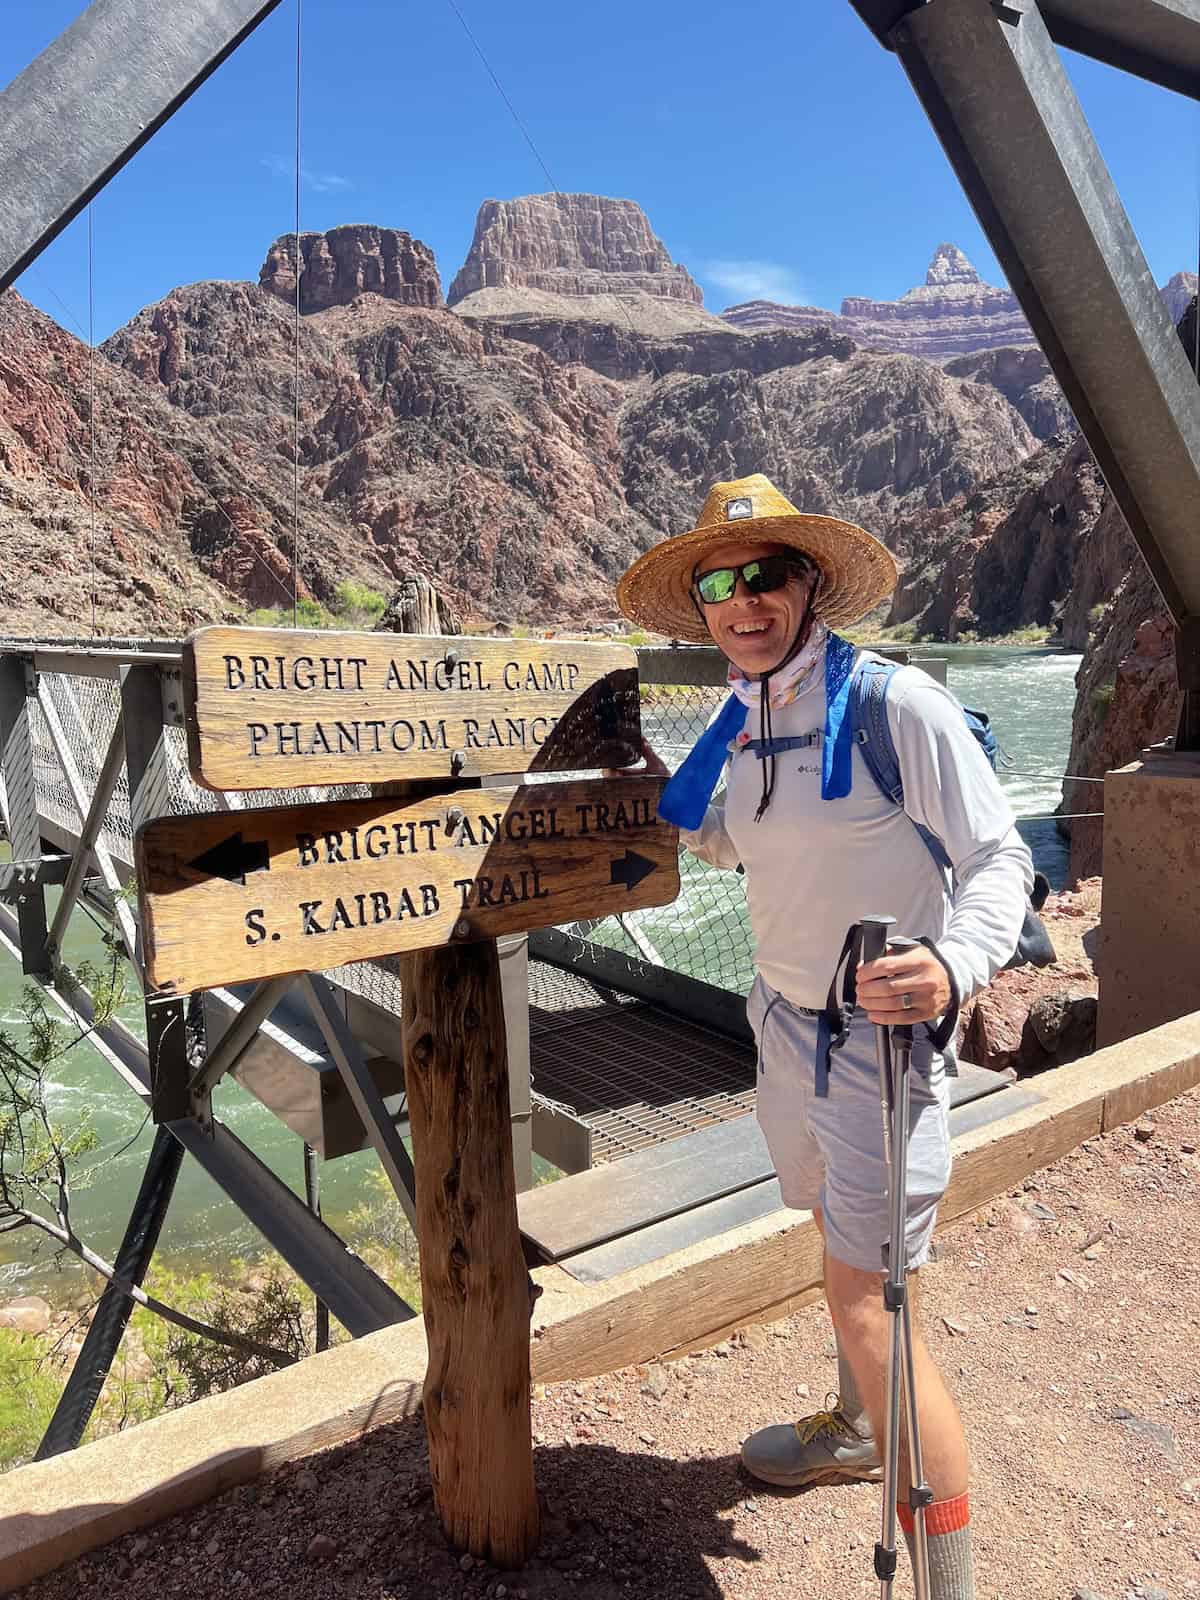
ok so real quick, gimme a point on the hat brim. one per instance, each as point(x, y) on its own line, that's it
point(857, 571)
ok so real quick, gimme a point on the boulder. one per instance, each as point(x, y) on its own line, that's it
point(29, 1313)
point(1064, 1025)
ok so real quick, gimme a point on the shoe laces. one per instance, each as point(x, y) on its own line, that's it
point(828, 1424)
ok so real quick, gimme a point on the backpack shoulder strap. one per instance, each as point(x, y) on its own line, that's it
point(873, 737)
point(868, 718)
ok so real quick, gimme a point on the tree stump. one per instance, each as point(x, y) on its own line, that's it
point(417, 607)
point(474, 1282)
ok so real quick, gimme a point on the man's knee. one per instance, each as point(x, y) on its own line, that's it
point(855, 1298)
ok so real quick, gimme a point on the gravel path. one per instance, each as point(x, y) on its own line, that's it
point(1066, 1315)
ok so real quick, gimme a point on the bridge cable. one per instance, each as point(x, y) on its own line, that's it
point(296, 349)
point(1054, 777)
point(45, 283)
point(91, 255)
point(528, 137)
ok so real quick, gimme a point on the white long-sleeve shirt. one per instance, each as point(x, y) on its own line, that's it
point(815, 866)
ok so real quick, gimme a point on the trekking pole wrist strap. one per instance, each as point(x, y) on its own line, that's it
point(943, 1034)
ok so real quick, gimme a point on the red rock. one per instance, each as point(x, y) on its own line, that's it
point(570, 244)
point(952, 313)
point(350, 261)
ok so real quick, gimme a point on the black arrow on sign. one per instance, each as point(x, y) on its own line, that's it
point(631, 868)
point(232, 859)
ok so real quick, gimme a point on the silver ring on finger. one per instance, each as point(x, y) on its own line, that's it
point(906, 1000)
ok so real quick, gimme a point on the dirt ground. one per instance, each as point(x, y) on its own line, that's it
point(1066, 1316)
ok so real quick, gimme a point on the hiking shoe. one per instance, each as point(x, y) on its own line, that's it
point(823, 1448)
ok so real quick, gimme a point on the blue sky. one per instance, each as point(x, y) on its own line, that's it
point(777, 149)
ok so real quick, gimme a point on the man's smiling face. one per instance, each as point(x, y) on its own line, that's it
point(754, 631)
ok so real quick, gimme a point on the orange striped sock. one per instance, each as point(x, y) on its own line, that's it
point(948, 1534)
point(943, 1516)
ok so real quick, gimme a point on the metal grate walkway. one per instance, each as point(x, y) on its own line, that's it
point(635, 1075)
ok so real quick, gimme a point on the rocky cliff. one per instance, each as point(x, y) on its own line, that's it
point(516, 451)
point(1178, 293)
point(522, 448)
point(634, 337)
point(170, 529)
point(570, 244)
point(1008, 553)
point(1125, 699)
point(880, 439)
point(952, 313)
point(355, 259)
point(429, 446)
point(1125, 692)
point(1024, 378)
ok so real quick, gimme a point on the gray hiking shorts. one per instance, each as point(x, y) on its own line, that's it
point(828, 1152)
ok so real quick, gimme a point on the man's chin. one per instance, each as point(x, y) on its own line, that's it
point(751, 664)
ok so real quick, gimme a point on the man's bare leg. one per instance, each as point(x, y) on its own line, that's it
point(863, 1327)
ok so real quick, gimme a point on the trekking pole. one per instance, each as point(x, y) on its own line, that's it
point(893, 1048)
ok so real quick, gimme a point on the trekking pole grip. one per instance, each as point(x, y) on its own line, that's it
point(875, 932)
point(902, 1032)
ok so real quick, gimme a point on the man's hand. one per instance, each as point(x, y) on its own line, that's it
point(918, 973)
point(653, 766)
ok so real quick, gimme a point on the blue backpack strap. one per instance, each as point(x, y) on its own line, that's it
point(762, 748)
point(873, 736)
point(685, 797)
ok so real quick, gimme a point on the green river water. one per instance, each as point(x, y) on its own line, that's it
point(1028, 694)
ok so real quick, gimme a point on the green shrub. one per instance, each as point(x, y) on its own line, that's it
point(358, 605)
point(29, 1391)
point(1031, 633)
point(308, 614)
point(1101, 701)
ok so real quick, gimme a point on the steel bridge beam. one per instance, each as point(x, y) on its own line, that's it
point(991, 81)
point(93, 98)
point(1154, 39)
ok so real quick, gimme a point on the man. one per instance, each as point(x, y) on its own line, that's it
point(822, 846)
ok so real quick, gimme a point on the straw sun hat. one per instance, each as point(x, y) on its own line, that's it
point(857, 572)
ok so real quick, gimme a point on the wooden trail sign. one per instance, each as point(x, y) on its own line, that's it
point(229, 897)
point(279, 709)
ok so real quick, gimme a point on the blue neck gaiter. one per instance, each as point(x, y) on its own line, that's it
point(686, 796)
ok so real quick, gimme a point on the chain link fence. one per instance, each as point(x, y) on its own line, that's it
point(705, 933)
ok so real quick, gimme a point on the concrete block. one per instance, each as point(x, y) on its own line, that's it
point(1149, 959)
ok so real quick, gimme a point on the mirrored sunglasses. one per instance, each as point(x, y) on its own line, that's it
point(760, 577)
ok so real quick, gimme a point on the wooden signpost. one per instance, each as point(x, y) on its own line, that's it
point(231, 897)
point(433, 877)
point(272, 710)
